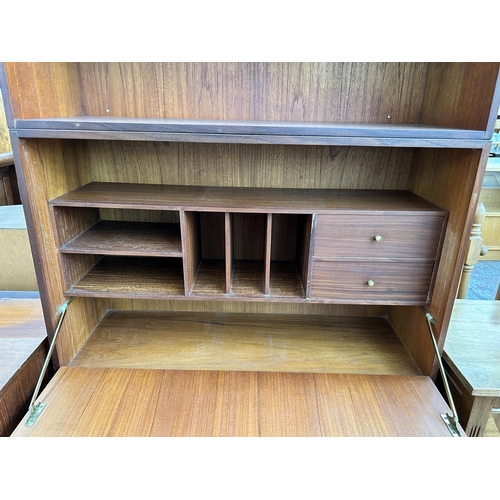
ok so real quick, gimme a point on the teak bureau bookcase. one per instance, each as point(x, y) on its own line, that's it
point(248, 248)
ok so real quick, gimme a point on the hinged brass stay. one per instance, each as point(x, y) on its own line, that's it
point(34, 410)
point(451, 421)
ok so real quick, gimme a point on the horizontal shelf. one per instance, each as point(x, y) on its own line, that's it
point(249, 200)
point(132, 277)
point(246, 342)
point(128, 238)
point(381, 134)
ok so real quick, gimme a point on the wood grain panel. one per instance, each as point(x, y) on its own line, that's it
point(401, 236)
point(249, 165)
point(212, 403)
point(218, 341)
point(250, 307)
point(69, 392)
point(194, 397)
point(331, 92)
point(393, 283)
point(466, 88)
point(47, 169)
point(44, 89)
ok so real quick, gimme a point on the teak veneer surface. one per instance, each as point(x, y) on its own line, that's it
point(127, 402)
point(265, 342)
point(252, 200)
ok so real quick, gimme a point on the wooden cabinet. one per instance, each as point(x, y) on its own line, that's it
point(291, 218)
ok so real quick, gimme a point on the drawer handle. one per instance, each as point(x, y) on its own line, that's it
point(378, 238)
point(370, 283)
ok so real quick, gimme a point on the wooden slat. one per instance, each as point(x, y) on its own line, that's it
point(219, 341)
point(267, 253)
point(381, 142)
point(249, 200)
point(228, 250)
point(250, 128)
point(213, 403)
point(128, 238)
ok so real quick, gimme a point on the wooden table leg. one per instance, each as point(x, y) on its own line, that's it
point(496, 404)
point(474, 413)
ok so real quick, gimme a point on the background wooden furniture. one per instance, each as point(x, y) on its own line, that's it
point(17, 272)
point(474, 251)
point(490, 197)
point(376, 152)
point(471, 355)
point(23, 348)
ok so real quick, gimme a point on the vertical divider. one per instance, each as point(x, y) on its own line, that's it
point(305, 252)
point(228, 250)
point(267, 254)
point(191, 254)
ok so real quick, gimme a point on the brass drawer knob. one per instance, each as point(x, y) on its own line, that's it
point(378, 238)
point(370, 283)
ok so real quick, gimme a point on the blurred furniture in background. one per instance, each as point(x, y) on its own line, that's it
point(23, 348)
point(471, 359)
point(474, 251)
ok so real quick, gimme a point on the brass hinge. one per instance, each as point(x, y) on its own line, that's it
point(34, 410)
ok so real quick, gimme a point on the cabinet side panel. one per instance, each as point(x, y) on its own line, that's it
point(44, 90)
point(460, 95)
point(292, 91)
point(46, 169)
point(452, 180)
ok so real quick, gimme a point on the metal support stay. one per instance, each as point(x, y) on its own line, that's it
point(451, 421)
point(34, 410)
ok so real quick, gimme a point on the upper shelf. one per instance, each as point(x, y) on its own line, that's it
point(238, 199)
point(250, 132)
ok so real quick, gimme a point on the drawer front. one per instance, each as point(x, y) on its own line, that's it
point(374, 236)
point(387, 282)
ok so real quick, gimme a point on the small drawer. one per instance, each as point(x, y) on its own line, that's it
point(376, 236)
point(387, 282)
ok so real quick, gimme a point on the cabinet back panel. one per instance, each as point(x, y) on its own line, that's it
point(323, 92)
point(249, 165)
point(246, 307)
